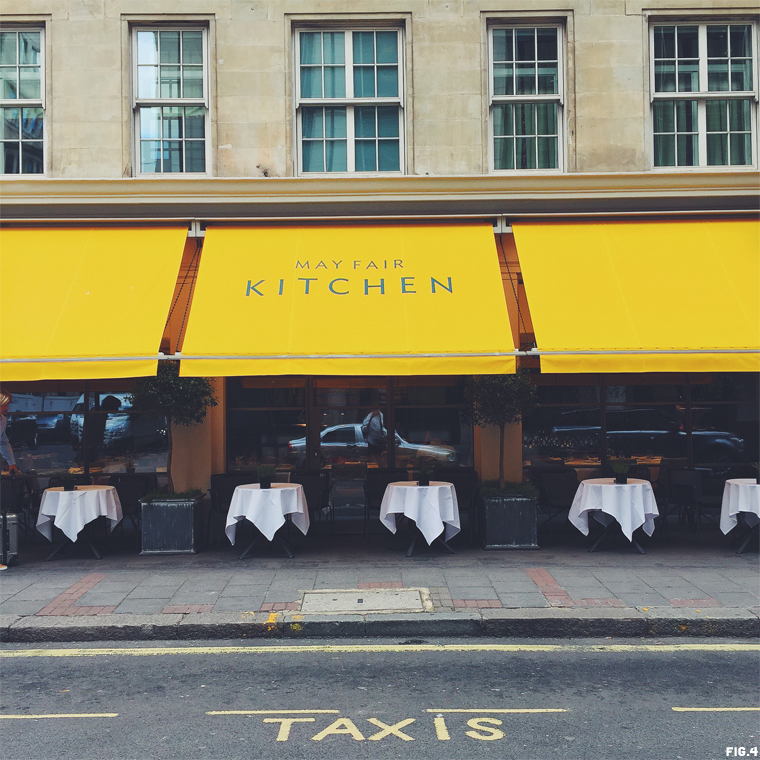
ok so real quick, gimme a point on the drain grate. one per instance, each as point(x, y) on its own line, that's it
point(366, 600)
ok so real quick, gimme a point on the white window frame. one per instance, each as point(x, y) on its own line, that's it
point(702, 95)
point(558, 98)
point(31, 102)
point(349, 101)
point(139, 103)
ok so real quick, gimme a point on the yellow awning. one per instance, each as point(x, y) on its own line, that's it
point(349, 300)
point(81, 303)
point(655, 287)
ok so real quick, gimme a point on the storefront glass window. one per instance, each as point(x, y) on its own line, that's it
point(553, 435)
point(265, 436)
point(438, 437)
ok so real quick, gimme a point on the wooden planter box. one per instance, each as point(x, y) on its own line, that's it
point(172, 526)
point(508, 522)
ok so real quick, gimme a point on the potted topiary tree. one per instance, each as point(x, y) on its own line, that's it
point(171, 522)
point(508, 510)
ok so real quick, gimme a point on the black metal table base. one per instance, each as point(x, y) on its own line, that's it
point(752, 533)
point(418, 538)
point(68, 542)
point(611, 528)
point(277, 541)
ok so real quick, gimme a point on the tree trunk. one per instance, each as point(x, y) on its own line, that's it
point(169, 455)
point(501, 456)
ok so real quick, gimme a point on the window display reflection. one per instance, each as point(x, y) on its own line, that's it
point(556, 434)
point(353, 435)
point(275, 437)
point(432, 436)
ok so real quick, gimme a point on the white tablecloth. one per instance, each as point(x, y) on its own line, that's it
point(266, 508)
point(72, 510)
point(431, 507)
point(739, 495)
point(632, 505)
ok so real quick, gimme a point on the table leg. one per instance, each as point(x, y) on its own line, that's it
point(277, 540)
point(410, 550)
point(607, 529)
point(250, 546)
point(755, 531)
point(637, 545)
point(57, 549)
point(92, 548)
point(445, 545)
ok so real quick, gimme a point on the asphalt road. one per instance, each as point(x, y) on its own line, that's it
point(455, 700)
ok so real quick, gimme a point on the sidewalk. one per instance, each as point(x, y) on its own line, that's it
point(679, 588)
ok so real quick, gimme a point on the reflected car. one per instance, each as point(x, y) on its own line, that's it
point(348, 441)
point(638, 431)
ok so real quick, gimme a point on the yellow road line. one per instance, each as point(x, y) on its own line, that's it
point(504, 710)
point(59, 715)
point(715, 709)
point(374, 648)
point(273, 712)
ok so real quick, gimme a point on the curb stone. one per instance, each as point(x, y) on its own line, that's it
point(453, 624)
point(122, 627)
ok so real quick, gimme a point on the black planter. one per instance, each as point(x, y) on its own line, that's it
point(621, 480)
point(265, 482)
point(424, 480)
point(172, 526)
point(69, 487)
point(508, 522)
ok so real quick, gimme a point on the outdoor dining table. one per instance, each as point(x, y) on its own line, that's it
point(267, 508)
point(741, 495)
point(433, 508)
point(630, 505)
point(70, 511)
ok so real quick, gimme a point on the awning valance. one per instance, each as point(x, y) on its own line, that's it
point(349, 300)
point(79, 303)
point(677, 296)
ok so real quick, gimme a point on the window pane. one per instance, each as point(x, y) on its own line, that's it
point(503, 153)
point(739, 115)
point(688, 76)
point(192, 81)
point(31, 158)
point(337, 156)
point(29, 47)
point(502, 79)
point(8, 48)
point(8, 83)
point(547, 153)
point(502, 45)
point(364, 121)
point(195, 156)
point(664, 116)
point(311, 82)
point(741, 41)
point(687, 150)
point(717, 75)
point(717, 150)
point(364, 47)
point(150, 156)
point(547, 44)
point(311, 123)
point(311, 47)
point(313, 157)
point(387, 47)
point(169, 48)
point(334, 46)
point(169, 84)
point(526, 79)
point(741, 151)
point(688, 42)
point(502, 119)
point(10, 123)
point(717, 42)
point(31, 123)
point(335, 122)
point(335, 81)
point(150, 123)
point(548, 81)
point(192, 47)
point(716, 116)
point(147, 47)
point(29, 82)
point(172, 122)
point(741, 75)
point(664, 42)
point(265, 437)
point(172, 155)
point(525, 119)
point(546, 118)
point(664, 150)
point(364, 82)
point(365, 156)
point(387, 121)
point(388, 155)
point(387, 81)
point(525, 44)
point(10, 157)
point(686, 115)
point(665, 76)
point(147, 81)
point(195, 122)
point(525, 150)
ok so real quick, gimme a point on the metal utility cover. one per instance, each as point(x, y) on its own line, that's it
point(363, 600)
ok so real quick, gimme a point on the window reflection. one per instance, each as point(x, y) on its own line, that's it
point(275, 437)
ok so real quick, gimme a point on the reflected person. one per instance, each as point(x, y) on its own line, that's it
point(373, 428)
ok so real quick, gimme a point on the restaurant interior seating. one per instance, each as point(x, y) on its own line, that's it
point(316, 489)
point(640, 472)
point(376, 483)
point(556, 494)
point(222, 487)
point(465, 482)
point(684, 488)
point(348, 494)
point(58, 481)
point(131, 488)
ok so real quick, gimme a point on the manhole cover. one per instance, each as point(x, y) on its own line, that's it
point(364, 600)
